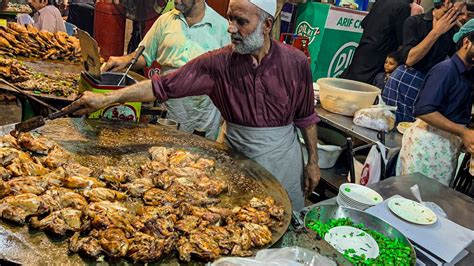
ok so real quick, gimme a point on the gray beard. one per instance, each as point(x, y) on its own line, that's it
point(251, 43)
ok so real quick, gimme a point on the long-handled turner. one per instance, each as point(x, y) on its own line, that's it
point(39, 121)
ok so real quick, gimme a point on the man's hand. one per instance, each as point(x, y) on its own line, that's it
point(116, 63)
point(90, 103)
point(312, 175)
point(446, 22)
point(468, 140)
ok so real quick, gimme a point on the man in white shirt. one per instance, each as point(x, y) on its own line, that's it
point(47, 16)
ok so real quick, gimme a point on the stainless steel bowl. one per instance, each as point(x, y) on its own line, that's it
point(326, 212)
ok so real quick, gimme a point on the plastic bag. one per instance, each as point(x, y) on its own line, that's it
point(377, 117)
point(372, 168)
point(291, 256)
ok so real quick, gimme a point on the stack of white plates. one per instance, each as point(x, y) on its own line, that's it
point(357, 196)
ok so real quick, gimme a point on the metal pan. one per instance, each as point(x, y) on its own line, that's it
point(326, 212)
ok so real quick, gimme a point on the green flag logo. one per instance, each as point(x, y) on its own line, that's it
point(305, 29)
point(342, 59)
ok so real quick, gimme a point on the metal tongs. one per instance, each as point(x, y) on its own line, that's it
point(138, 53)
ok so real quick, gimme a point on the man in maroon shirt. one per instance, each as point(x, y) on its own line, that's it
point(263, 89)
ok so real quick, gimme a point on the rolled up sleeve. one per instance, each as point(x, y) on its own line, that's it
point(305, 114)
point(194, 78)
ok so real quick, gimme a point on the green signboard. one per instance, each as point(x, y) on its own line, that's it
point(334, 34)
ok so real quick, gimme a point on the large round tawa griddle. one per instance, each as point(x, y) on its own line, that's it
point(97, 144)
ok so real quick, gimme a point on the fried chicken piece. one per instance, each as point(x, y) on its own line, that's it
point(222, 211)
point(185, 248)
point(148, 212)
point(212, 187)
point(20, 167)
point(187, 224)
point(75, 169)
point(114, 242)
point(152, 169)
point(138, 187)
point(189, 194)
point(17, 27)
point(22, 185)
point(8, 141)
point(160, 154)
point(161, 227)
point(61, 221)
point(81, 182)
point(114, 175)
point(252, 215)
point(103, 194)
point(158, 197)
point(204, 164)
point(55, 178)
point(164, 180)
point(145, 248)
point(39, 145)
point(18, 208)
point(59, 198)
point(187, 172)
point(258, 233)
point(56, 157)
point(7, 155)
point(61, 37)
point(205, 214)
point(204, 247)
point(4, 174)
point(88, 246)
point(32, 30)
point(106, 214)
point(268, 205)
point(182, 159)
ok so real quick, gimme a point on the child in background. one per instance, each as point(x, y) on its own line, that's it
point(391, 63)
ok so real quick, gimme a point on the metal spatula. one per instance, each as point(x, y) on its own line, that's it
point(39, 121)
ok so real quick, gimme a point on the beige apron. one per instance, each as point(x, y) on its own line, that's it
point(430, 151)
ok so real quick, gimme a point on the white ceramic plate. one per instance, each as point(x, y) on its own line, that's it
point(343, 238)
point(412, 211)
point(403, 126)
point(361, 194)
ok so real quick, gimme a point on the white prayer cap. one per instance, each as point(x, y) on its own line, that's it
point(268, 6)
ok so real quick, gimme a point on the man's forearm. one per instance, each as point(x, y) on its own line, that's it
point(310, 135)
point(418, 52)
point(140, 92)
point(439, 121)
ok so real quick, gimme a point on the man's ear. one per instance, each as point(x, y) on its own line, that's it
point(268, 25)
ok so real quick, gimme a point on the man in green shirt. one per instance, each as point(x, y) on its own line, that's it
point(177, 37)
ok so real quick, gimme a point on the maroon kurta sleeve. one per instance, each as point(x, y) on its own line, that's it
point(305, 115)
point(194, 78)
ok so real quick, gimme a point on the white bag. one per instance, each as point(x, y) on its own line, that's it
point(372, 168)
point(377, 117)
point(289, 256)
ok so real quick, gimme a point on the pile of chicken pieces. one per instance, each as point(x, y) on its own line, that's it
point(171, 207)
point(28, 41)
point(13, 70)
point(59, 84)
